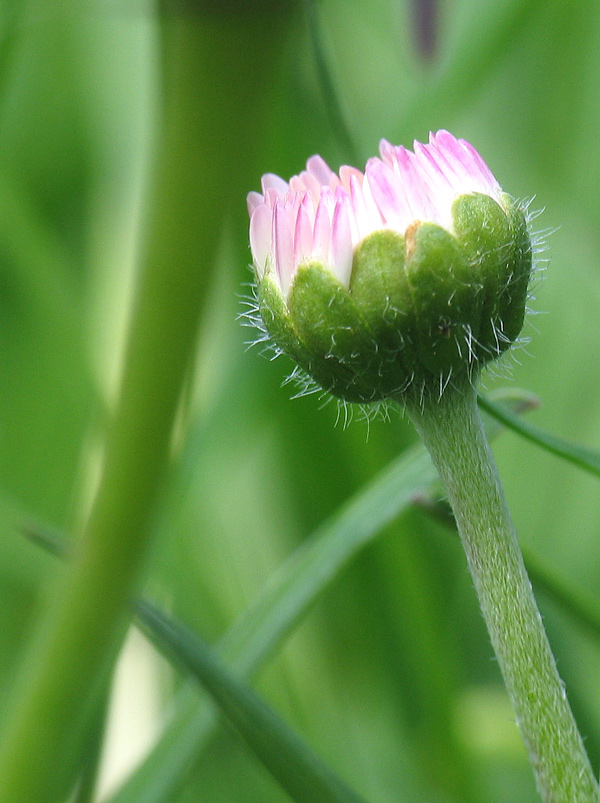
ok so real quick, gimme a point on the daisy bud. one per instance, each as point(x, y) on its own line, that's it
point(395, 280)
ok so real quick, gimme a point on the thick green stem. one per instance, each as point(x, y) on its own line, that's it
point(452, 431)
point(217, 64)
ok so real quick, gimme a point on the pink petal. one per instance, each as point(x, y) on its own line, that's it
point(318, 167)
point(291, 202)
point(283, 247)
point(432, 166)
point(440, 190)
point(384, 187)
point(341, 242)
point(311, 184)
point(297, 185)
point(303, 236)
point(347, 173)
point(253, 200)
point(458, 164)
point(272, 196)
point(260, 237)
point(480, 167)
point(366, 217)
point(414, 186)
point(322, 232)
point(444, 150)
point(309, 204)
point(387, 151)
point(374, 215)
point(271, 181)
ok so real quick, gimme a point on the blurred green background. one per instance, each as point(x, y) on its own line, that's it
point(391, 677)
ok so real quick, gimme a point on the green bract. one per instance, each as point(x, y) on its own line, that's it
point(421, 308)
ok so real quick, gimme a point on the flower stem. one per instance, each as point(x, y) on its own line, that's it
point(452, 432)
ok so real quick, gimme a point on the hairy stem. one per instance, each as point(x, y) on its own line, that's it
point(452, 431)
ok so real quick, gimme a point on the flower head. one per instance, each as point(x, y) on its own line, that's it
point(399, 276)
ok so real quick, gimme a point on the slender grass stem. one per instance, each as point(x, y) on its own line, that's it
point(212, 107)
point(452, 431)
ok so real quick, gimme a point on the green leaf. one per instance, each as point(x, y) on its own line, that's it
point(290, 760)
point(286, 598)
point(584, 458)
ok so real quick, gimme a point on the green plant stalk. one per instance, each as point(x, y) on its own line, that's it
point(212, 105)
point(453, 433)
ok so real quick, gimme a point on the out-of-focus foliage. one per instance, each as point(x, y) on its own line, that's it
point(390, 677)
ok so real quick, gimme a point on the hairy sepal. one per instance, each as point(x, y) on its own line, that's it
point(330, 325)
point(446, 300)
point(497, 246)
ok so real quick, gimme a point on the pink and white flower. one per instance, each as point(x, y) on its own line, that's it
point(320, 216)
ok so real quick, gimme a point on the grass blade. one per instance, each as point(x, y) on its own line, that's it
point(287, 597)
point(292, 762)
point(580, 456)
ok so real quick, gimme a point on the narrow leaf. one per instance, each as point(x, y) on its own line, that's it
point(287, 596)
point(290, 760)
point(584, 458)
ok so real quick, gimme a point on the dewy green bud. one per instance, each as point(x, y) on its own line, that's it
point(395, 281)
